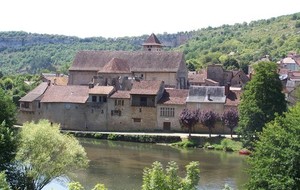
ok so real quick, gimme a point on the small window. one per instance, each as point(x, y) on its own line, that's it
point(116, 113)
point(39, 104)
point(167, 112)
point(25, 105)
point(100, 99)
point(143, 101)
point(94, 98)
point(104, 99)
point(137, 120)
point(119, 102)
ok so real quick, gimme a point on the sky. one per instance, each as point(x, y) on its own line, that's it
point(119, 18)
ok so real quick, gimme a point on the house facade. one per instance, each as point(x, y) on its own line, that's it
point(126, 91)
point(111, 67)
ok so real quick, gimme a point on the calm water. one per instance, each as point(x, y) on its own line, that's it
point(119, 165)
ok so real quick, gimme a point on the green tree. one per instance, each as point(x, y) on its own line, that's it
point(262, 98)
point(78, 186)
point(231, 64)
point(188, 119)
point(208, 118)
point(7, 109)
point(157, 178)
point(44, 154)
point(276, 158)
point(3, 183)
point(8, 146)
point(230, 119)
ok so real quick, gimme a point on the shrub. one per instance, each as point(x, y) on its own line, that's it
point(113, 137)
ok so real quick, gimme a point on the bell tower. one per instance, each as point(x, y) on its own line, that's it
point(152, 44)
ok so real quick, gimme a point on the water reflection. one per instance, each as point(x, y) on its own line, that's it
point(119, 165)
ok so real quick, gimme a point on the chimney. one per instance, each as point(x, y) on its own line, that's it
point(208, 97)
point(227, 88)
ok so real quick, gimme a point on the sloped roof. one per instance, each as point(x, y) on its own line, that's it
point(121, 95)
point(233, 98)
point(207, 94)
point(146, 87)
point(35, 93)
point(195, 77)
point(152, 40)
point(66, 94)
point(142, 61)
point(115, 65)
point(101, 90)
point(174, 96)
point(62, 80)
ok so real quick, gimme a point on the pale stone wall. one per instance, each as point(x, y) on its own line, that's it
point(218, 108)
point(219, 129)
point(147, 116)
point(174, 121)
point(168, 78)
point(123, 122)
point(182, 76)
point(33, 113)
point(216, 73)
point(68, 115)
point(81, 77)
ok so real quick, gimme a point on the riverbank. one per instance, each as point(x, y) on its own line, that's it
point(199, 140)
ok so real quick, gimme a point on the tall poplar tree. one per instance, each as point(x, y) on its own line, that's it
point(262, 98)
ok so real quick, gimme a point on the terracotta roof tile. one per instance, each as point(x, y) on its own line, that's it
point(233, 98)
point(121, 95)
point(35, 93)
point(197, 78)
point(115, 65)
point(62, 81)
point(142, 61)
point(146, 87)
point(174, 96)
point(152, 40)
point(101, 90)
point(66, 94)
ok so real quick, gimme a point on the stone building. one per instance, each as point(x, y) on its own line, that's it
point(215, 75)
point(125, 91)
point(115, 67)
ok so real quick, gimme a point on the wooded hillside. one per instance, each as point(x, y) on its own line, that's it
point(242, 43)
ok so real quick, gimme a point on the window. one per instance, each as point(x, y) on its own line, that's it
point(167, 112)
point(119, 102)
point(137, 120)
point(94, 98)
point(116, 113)
point(25, 105)
point(143, 101)
point(104, 99)
point(39, 104)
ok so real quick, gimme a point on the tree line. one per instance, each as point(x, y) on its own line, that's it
point(238, 45)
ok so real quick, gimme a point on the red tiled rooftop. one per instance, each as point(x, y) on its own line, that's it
point(174, 96)
point(35, 93)
point(101, 90)
point(66, 94)
point(121, 95)
point(146, 87)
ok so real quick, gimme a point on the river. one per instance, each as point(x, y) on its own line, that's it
point(119, 165)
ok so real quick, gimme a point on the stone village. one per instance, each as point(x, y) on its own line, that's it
point(138, 91)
